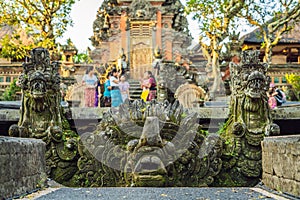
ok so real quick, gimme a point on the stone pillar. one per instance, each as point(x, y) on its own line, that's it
point(168, 50)
point(167, 37)
point(123, 32)
point(158, 29)
point(281, 163)
point(23, 166)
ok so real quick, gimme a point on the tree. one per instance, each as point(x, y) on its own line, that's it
point(10, 93)
point(43, 20)
point(294, 80)
point(14, 46)
point(216, 19)
point(273, 18)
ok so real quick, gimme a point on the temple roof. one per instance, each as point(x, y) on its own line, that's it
point(292, 37)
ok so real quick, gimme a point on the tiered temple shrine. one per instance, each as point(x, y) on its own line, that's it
point(138, 27)
point(285, 55)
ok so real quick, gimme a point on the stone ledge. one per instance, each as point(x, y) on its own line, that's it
point(23, 165)
point(281, 163)
point(290, 112)
point(281, 184)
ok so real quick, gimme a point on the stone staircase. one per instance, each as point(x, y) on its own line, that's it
point(135, 89)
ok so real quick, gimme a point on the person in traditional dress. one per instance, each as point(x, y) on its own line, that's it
point(98, 94)
point(271, 99)
point(90, 81)
point(124, 88)
point(106, 93)
point(116, 98)
point(149, 83)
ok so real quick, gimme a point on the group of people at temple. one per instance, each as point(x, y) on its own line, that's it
point(276, 97)
point(115, 88)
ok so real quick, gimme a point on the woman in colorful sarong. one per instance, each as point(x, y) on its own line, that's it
point(90, 81)
point(116, 98)
point(149, 83)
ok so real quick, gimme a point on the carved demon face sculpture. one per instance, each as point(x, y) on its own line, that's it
point(156, 145)
point(248, 123)
point(149, 156)
point(250, 83)
point(37, 85)
point(255, 84)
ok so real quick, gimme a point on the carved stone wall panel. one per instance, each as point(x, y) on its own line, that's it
point(168, 53)
point(140, 60)
point(102, 53)
point(141, 46)
point(115, 48)
point(189, 95)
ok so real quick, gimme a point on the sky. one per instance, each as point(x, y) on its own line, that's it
point(84, 13)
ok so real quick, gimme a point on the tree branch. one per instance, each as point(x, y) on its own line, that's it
point(295, 13)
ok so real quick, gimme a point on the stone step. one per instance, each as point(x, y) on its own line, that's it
point(135, 86)
point(135, 89)
point(135, 94)
point(133, 81)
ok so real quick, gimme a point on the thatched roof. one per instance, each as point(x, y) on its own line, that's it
point(9, 30)
point(292, 37)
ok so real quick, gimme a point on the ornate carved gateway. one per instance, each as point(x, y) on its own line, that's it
point(138, 27)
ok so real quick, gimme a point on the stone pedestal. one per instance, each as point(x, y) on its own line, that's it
point(281, 163)
point(22, 166)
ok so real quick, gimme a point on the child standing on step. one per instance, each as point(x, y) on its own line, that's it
point(124, 88)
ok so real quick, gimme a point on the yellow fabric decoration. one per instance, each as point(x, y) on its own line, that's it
point(145, 94)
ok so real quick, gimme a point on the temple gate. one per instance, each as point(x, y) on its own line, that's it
point(134, 28)
point(141, 46)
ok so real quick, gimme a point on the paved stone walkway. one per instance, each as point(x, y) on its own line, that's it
point(154, 194)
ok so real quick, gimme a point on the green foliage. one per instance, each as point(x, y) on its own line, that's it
point(294, 80)
point(215, 17)
point(43, 20)
point(222, 128)
point(13, 47)
point(216, 21)
point(82, 58)
point(10, 92)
